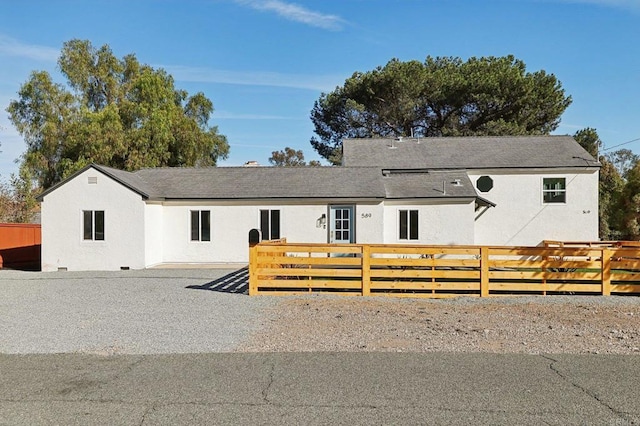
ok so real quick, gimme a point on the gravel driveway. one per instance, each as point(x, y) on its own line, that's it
point(205, 310)
point(133, 312)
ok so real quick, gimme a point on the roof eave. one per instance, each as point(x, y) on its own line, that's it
point(46, 192)
point(144, 195)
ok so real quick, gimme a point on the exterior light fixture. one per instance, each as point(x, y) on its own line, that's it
point(322, 221)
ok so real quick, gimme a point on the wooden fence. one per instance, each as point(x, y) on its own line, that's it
point(20, 246)
point(442, 271)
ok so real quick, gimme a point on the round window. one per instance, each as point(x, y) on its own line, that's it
point(484, 183)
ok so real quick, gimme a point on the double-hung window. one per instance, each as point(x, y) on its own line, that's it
point(270, 224)
point(93, 225)
point(408, 220)
point(554, 190)
point(200, 225)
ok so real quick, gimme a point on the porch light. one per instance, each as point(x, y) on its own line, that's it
point(322, 221)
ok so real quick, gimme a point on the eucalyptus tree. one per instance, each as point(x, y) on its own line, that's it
point(112, 111)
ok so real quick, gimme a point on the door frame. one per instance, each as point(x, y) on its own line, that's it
point(352, 222)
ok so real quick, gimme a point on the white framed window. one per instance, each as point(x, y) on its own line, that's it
point(200, 225)
point(408, 225)
point(554, 190)
point(270, 224)
point(93, 225)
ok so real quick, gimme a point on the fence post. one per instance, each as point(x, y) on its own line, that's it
point(484, 271)
point(366, 270)
point(253, 264)
point(254, 240)
point(606, 272)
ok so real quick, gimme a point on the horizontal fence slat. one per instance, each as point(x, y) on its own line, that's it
point(517, 286)
point(625, 264)
point(625, 277)
point(426, 273)
point(578, 264)
point(442, 262)
point(308, 260)
point(309, 249)
point(428, 295)
point(625, 288)
point(292, 272)
point(354, 285)
point(547, 252)
point(426, 250)
point(405, 285)
point(303, 292)
point(549, 275)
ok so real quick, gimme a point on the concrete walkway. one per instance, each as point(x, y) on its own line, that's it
point(319, 388)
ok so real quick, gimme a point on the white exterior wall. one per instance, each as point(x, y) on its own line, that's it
point(369, 219)
point(62, 226)
point(520, 217)
point(154, 237)
point(232, 221)
point(438, 223)
point(230, 226)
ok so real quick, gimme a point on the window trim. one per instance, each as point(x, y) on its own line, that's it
point(201, 233)
point(410, 230)
point(557, 191)
point(96, 221)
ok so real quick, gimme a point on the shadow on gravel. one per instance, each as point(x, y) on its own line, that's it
point(236, 282)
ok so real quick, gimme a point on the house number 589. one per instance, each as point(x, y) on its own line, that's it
point(365, 215)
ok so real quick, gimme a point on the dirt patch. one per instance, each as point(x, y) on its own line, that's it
point(551, 324)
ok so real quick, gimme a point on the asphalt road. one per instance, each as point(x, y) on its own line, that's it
point(319, 388)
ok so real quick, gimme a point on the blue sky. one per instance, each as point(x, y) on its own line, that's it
point(264, 62)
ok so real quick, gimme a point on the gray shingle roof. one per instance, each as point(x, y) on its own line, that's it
point(263, 182)
point(235, 183)
point(434, 184)
point(467, 153)
point(440, 160)
point(130, 180)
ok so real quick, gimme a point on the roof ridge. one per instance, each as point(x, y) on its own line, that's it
point(414, 138)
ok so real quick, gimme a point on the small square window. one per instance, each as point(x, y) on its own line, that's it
point(554, 190)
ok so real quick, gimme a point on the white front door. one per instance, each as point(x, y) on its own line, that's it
point(341, 226)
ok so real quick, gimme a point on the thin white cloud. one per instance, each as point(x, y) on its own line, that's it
point(296, 13)
point(320, 83)
point(12, 47)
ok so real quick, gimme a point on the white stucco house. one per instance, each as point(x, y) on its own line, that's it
point(468, 190)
